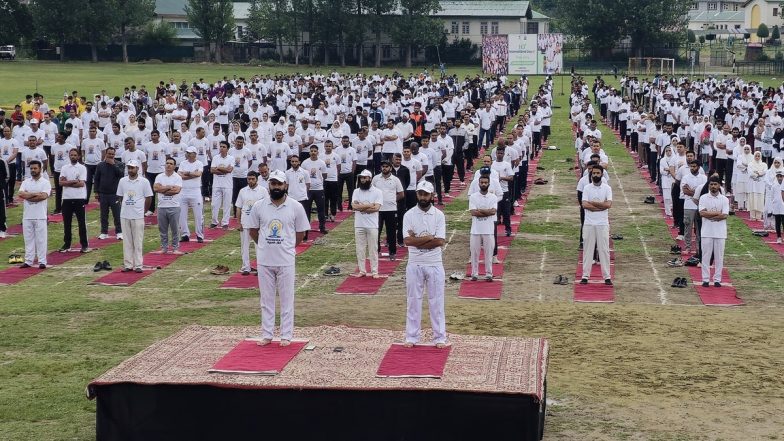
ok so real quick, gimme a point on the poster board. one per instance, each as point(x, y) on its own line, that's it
point(522, 54)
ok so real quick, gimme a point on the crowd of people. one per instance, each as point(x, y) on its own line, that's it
point(271, 152)
point(712, 146)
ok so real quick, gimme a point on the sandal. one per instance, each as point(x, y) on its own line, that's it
point(220, 270)
point(332, 271)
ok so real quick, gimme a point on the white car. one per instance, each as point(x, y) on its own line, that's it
point(7, 52)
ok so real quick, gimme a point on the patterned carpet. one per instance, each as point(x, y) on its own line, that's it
point(476, 363)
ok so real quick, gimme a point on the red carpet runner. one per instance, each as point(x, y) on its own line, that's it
point(15, 230)
point(757, 226)
point(250, 358)
point(414, 362)
point(159, 261)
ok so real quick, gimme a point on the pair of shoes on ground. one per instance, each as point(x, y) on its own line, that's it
point(332, 271)
point(649, 200)
point(674, 263)
point(607, 282)
point(561, 280)
point(25, 265)
point(692, 261)
point(680, 282)
point(128, 270)
point(105, 265)
point(65, 249)
point(715, 284)
point(104, 236)
point(487, 278)
point(188, 239)
point(220, 270)
point(15, 258)
point(675, 249)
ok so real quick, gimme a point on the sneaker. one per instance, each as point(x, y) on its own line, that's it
point(42, 266)
point(64, 249)
point(583, 281)
point(98, 266)
point(2, 234)
point(148, 213)
point(24, 265)
point(488, 278)
point(778, 241)
point(679, 237)
point(717, 284)
point(675, 249)
point(105, 265)
point(474, 278)
point(200, 239)
point(495, 260)
point(516, 204)
point(213, 225)
point(120, 236)
point(608, 282)
point(84, 250)
point(676, 262)
point(137, 270)
point(705, 284)
point(103, 236)
point(185, 238)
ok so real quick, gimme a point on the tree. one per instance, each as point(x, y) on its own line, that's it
point(270, 20)
point(15, 21)
point(335, 15)
point(159, 34)
point(378, 21)
point(130, 15)
point(58, 21)
point(213, 22)
point(691, 37)
point(415, 27)
point(601, 24)
point(98, 24)
point(762, 31)
point(775, 34)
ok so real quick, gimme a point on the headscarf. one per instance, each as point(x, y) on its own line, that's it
point(770, 176)
point(757, 168)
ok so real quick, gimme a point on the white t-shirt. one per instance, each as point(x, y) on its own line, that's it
point(371, 196)
point(347, 156)
point(424, 223)
point(246, 198)
point(278, 225)
point(298, 181)
point(389, 188)
point(133, 193)
point(165, 201)
point(504, 170)
point(156, 157)
point(316, 170)
point(278, 153)
point(187, 166)
point(594, 193)
point(716, 229)
point(36, 210)
point(92, 149)
point(60, 153)
point(222, 181)
point(73, 172)
point(479, 201)
point(413, 167)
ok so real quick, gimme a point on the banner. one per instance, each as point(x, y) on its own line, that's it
point(522, 54)
point(550, 53)
point(495, 54)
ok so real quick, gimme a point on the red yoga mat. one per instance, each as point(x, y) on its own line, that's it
point(414, 362)
point(711, 296)
point(250, 358)
point(481, 289)
point(594, 293)
point(368, 285)
point(14, 275)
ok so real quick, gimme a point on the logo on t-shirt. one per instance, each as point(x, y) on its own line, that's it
point(275, 229)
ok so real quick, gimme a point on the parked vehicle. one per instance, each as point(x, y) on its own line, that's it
point(8, 52)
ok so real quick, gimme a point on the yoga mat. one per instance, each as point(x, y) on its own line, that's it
point(368, 285)
point(481, 289)
point(14, 274)
point(727, 295)
point(414, 362)
point(250, 358)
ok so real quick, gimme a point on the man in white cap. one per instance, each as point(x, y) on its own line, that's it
point(136, 194)
point(425, 230)
point(191, 171)
point(246, 198)
point(277, 225)
point(366, 201)
point(35, 190)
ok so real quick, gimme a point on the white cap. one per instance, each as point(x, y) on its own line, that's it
point(33, 121)
point(277, 175)
point(132, 163)
point(366, 172)
point(191, 149)
point(425, 186)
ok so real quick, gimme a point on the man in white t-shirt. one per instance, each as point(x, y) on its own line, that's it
point(168, 185)
point(714, 208)
point(277, 225)
point(317, 169)
point(191, 171)
point(247, 197)
point(35, 191)
point(597, 200)
point(392, 190)
point(72, 180)
point(425, 230)
point(482, 206)
point(136, 195)
point(221, 168)
point(298, 180)
point(366, 201)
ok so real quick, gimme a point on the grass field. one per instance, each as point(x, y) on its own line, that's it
point(655, 365)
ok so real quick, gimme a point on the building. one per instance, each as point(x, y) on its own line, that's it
point(761, 11)
point(721, 18)
point(462, 19)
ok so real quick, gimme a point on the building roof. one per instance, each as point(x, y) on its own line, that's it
point(449, 8)
point(717, 17)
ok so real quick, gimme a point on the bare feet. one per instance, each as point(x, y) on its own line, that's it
point(440, 345)
point(264, 342)
point(380, 276)
point(359, 275)
point(284, 342)
point(408, 344)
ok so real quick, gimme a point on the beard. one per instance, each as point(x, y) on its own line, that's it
point(424, 205)
point(596, 179)
point(364, 185)
point(277, 193)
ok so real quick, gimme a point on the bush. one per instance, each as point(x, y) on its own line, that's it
point(762, 31)
point(461, 52)
point(775, 34)
point(690, 37)
point(158, 34)
point(710, 37)
point(702, 39)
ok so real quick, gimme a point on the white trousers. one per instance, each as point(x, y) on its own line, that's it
point(191, 200)
point(221, 199)
point(278, 279)
point(712, 247)
point(367, 243)
point(419, 277)
point(245, 245)
point(35, 240)
point(485, 243)
point(596, 236)
point(133, 242)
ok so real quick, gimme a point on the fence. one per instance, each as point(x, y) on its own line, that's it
point(113, 52)
point(758, 67)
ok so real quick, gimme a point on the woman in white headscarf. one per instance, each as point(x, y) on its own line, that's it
point(771, 192)
point(666, 179)
point(757, 171)
point(778, 202)
point(740, 179)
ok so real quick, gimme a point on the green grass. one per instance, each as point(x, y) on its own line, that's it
point(622, 371)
